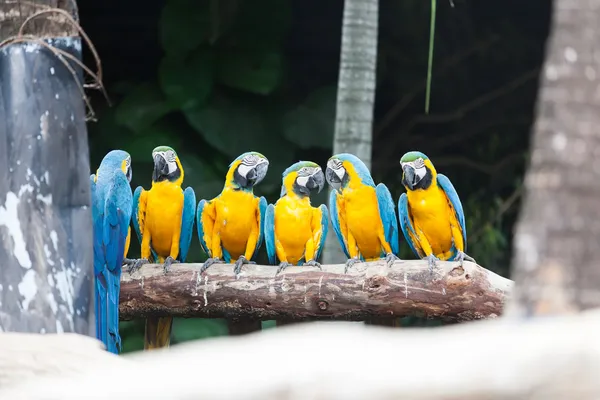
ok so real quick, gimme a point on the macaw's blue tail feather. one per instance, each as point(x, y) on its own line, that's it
point(101, 295)
point(114, 340)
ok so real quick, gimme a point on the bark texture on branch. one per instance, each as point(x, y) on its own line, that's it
point(370, 289)
point(549, 358)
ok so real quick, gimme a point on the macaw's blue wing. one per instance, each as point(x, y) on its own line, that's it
point(117, 214)
point(200, 226)
point(187, 222)
point(324, 229)
point(445, 184)
point(407, 227)
point(262, 210)
point(100, 271)
point(387, 213)
point(269, 233)
point(135, 213)
point(337, 220)
point(97, 225)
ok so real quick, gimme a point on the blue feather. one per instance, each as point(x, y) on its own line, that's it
point(135, 211)
point(269, 233)
point(111, 212)
point(445, 184)
point(200, 227)
point(324, 230)
point(262, 209)
point(335, 221)
point(407, 226)
point(187, 223)
point(388, 216)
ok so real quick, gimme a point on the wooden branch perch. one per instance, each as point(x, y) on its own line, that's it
point(370, 289)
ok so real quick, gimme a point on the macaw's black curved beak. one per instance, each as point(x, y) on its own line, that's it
point(409, 177)
point(129, 174)
point(332, 178)
point(257, 174)
point(160, 165)
point(316, 181)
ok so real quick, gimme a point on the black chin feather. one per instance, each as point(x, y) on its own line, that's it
point(172, 177)
point(426, 181)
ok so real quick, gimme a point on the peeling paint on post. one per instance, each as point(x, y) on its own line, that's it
point(46, 249)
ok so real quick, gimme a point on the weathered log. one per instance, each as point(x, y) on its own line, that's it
point(546, 358)
point(370, 289)
point(45, 219)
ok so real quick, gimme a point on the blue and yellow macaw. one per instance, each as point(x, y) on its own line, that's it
point(163, 219)
point(363, 215)
point(430, 213)
point(111, 213)
point(295, 231)
point(230, 226)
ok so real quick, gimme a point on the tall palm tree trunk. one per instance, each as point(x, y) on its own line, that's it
point(556, 261)
point(356, 94)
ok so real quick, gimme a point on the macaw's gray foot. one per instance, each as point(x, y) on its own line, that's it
point(313, 263)
point(431, 262)
point(209, 262)
point(168, 261)
point(238, 265)
point(134, 264)
point(350, 263)
point(282, 265)
point(462, 256)
point(390, 258)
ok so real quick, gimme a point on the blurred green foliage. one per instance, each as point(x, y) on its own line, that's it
point(237, 75)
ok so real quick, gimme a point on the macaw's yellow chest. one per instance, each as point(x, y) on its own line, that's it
point(236, 217)
point(293, 226)
point(431, 214)
point(164, 206)
point(363, 219)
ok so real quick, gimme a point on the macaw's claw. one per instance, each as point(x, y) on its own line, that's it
point(313, 263)
point(350, 263)
point(134, 264)
point(282, 265)
point(431, 261)
point(209, 262)
point(390, 258)
point(238, 265)
point(168, 261)
point(461, 256)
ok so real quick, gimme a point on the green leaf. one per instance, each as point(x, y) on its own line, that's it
point(141, 107)
point(184, 25)
point(201, 176)
point(312, 123)
point(257, 72)
point(187, 82)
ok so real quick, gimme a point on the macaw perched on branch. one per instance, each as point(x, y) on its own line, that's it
point(295, 231)
point(363, 215)
point(430, 213)
point(230, 226)
point(163, 219)
point(111, 213)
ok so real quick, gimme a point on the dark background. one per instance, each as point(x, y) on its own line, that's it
point(213, 79)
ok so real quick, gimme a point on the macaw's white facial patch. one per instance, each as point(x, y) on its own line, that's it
point(302, 180)
point(243, 169)
point(172, 166)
